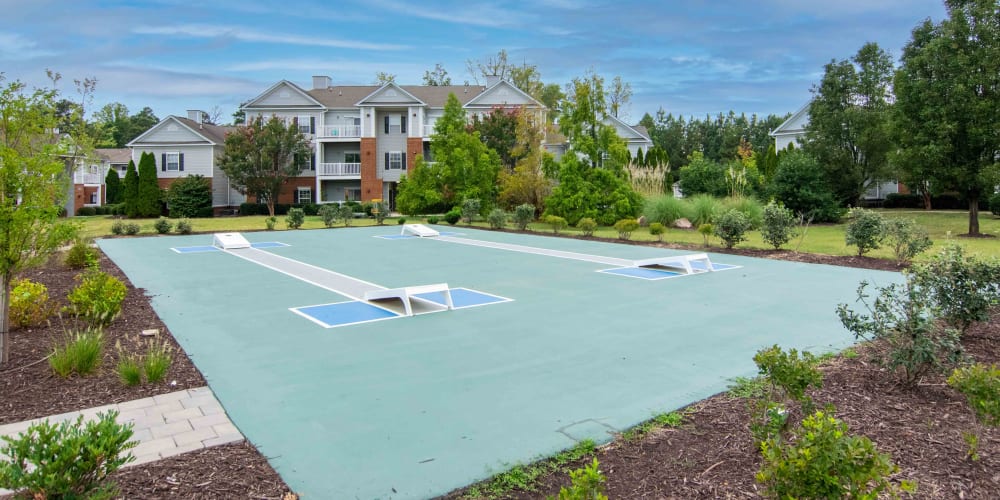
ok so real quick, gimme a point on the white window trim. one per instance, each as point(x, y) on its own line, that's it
point(298, 194)
point(304, 122)
point(395, 160)
point(176, 161)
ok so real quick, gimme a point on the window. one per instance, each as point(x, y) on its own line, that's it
point(173, 161)
point(305, 124)
point(303, 195)
point(394, 160)
point(352, 194)
point(93, 198)
point(402, 124)
point(353, 157)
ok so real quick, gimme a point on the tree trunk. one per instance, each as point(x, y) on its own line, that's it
point(974, 214)
point(5, 340)
point(927, 200)
point(270, 207)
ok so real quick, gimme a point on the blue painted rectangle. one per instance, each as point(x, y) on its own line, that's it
point(344, 313)
point(463, 297)
point(269, 244)
point(700, 266)
point(645, 273)
point(195, 249)
point(395, 236)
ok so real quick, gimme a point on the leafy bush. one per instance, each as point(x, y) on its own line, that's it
point(132, 229)
point(453, 216)
point(866, 230)
point(906, 238)
point(901, 317)
point(183, 226)
point(778, 225)
point(347, 213)
point(118, 227)
point(788, 374)
point(67, 460)
point(587, 226)
point(995, 204)
point(706, 230)
point(378, 210)
point(86, 211)
point(732, 227)
point(625, 227)
point(269, 222)
point(432, 220)
point(703, 176)
point(964, 289)
point(825, 461)
point(981, 386)
point(748, 206)
point(801, 185)
point(29, 303)
point(702, 209)
point(523, 215)
point(400, 221)
point(900, 200)
point(189, 196)
point(497, 218)
point(586, 483)
point(295, 218)
point(665, 209)
point(82, 254)
point(329, 213)
point(157, 361)
point(657, 229)
point(470, 209)
point(98, 298)
point(80, 353)
point(557, 223)
point(162, 225)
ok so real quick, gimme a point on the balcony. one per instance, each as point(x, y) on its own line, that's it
point(340, 131)
point(339, 170)
point(87, 178)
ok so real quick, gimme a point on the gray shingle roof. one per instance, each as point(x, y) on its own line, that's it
point(346, 96)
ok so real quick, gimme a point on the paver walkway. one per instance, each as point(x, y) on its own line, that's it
point(164, 425)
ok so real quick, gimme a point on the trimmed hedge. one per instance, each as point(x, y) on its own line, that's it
point(279, 208)
point(942, 202)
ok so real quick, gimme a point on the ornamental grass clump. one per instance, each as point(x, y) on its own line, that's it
point(81, 353)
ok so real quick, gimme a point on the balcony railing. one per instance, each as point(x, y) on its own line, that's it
point(341, 131)
point(87, 178)
point(339, 170)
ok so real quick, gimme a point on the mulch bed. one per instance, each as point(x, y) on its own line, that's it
point(710, 456)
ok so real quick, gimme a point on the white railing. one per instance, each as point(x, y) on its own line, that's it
point(341, 131)
point(339, 170)
point(87, 178)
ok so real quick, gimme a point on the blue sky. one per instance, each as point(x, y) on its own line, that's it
point(690, 57)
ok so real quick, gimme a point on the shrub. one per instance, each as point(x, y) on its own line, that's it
point(269, 222)
point(587, 226)
point(866, 230)
point(71, 459)
point(378, 210)
point(86, 211)
point(80, 353)
point(401, 221)
point(295, 218)
point(906, 238)
point(497, 218)
point(900, 200)
point(453, 216)
point(657, 229)
point(748, 206)
point(98, 298)
point(470, 209)
point(162, 225)
point(118, 227)
point(157, 361)
point(800, 184)
point(347, 213)
point(702, 209)
point(29, 303)
point(703, 176)
point(523, 215)
point(995, 204)
point(183, 226)
point(625, 228)
point(132, 229)
point(329, 213)
point(82, 254)
point(664, 209)
point(778, 225)
point(981, 386)
point(788, 374)
point(556, 222)
point(586, 483)
point(732, 227)
point(189, 196)
point(901, 317)
point(432, 220)
point(963, 289)
point(706, 230)
point(825, 461)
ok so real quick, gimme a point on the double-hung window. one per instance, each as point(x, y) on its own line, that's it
point(173, 162)
point(394, 160)
point(305, 124)
point(303, 195)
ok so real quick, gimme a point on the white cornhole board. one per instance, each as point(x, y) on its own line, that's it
point(229, 241)
point(406, 294)
point(678, 262)
point(419, 230)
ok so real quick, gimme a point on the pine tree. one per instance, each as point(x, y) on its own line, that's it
point(130, 194)
point(112, 187)
point(149, 196)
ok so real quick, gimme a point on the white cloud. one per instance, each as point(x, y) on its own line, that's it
point(463, 13)
point(17, 47)
point(249, 35)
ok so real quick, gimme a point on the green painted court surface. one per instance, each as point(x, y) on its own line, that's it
point(415, 407)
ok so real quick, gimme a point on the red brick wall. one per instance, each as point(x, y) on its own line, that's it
point(288, 190)
point(79, 197)
point(371, 185)
point(414, 147)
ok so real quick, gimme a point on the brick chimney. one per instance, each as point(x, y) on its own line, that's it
point(321, 82)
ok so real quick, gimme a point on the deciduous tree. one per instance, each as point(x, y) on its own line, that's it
point(437, 77)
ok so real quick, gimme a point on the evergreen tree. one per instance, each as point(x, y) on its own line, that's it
point(130, 191)
point(112, 187)
point(149, 196)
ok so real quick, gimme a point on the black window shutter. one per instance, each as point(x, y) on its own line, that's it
point(402, 124)
point(312, 124)
point(163, 162)
point(312, 162)
point(386, 124)
point(387, 160)
point(404, 160)
point(180, 164)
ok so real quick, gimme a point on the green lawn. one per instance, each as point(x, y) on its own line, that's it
point(824, 239)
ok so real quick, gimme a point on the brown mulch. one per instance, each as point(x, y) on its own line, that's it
point(710, 456)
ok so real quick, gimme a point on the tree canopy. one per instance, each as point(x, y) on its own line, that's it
point(437, 76)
